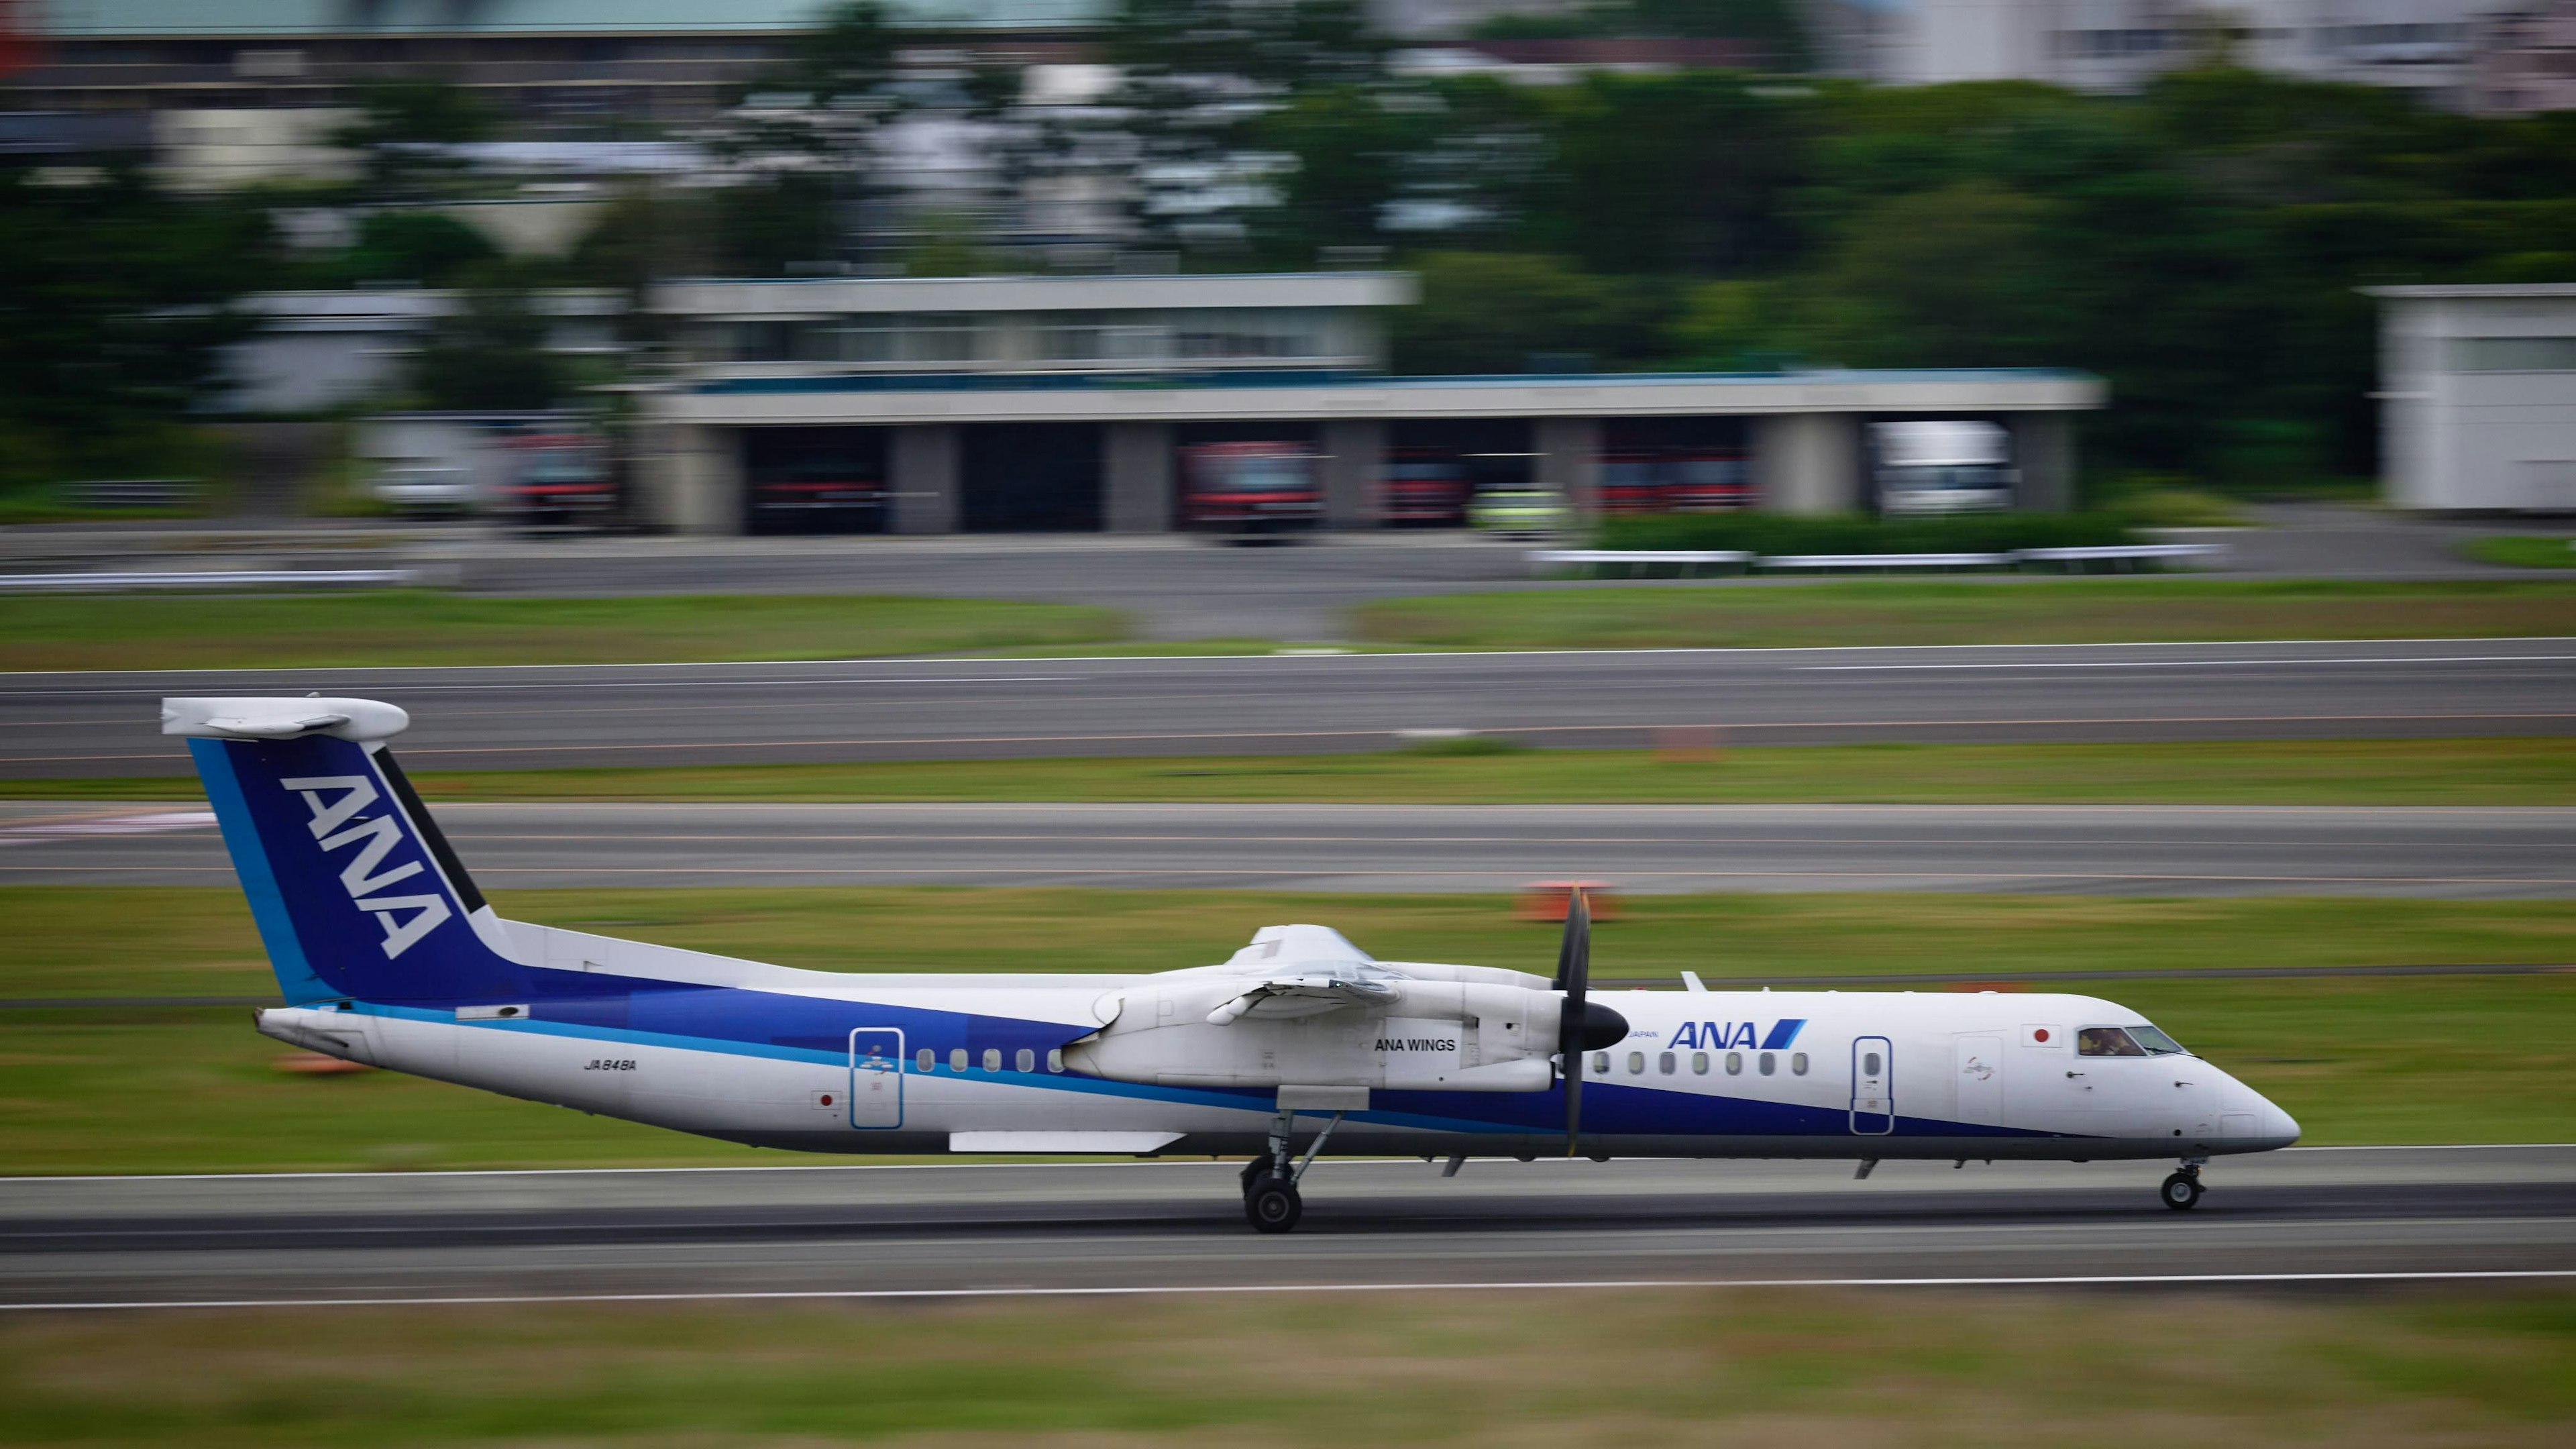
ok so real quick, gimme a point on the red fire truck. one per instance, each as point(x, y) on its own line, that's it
point(1250, 489)
point(1426, 488)
point(559, 477)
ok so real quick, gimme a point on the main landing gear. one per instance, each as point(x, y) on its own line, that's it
point(2181, 1192)
point(1270, 1201)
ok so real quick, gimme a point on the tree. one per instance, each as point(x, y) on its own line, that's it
point(489, 355)
point(1499, 312)
point(114, 307)
point(403, 130)
point(427, 247)
point(1199, 77)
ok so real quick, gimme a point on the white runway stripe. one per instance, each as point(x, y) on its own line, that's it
point(2090, 1280)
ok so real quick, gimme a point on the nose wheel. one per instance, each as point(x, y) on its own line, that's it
point(2181, 1192)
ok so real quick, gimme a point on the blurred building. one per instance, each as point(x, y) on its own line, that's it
point(568, 63)
point(317, 350)
point(2526, 61)
point(1066, 403)
point(2478, 396)
point(2427, 46)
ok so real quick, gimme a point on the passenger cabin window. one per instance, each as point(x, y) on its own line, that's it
point(1600, 1063)
point(1027, 1060)
point(956, 1059)
point(1869, 1064)
point(1664, 1064)
point(1735, 1064)
point(992, 1059)
point(925, 1060)
point(1055, 1060)
point(1769, 1063)
point(1797, 1064)
point(2106, 1041)
point(1699, 1063)
point(1636, 1064)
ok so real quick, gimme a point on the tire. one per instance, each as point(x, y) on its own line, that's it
point(1253, 1171)
point(1273, 1205)
point(2181, 1192)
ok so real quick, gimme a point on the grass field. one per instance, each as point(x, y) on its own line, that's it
point(2357, 1059)
point(1967, 611)
point(2523, 551)
point(2536, 771)
point(405, 626)
point(1581, 1368)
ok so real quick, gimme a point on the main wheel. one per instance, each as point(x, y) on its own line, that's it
point(1253, 1171)
point(1273, 1205)
point(2181, 1192)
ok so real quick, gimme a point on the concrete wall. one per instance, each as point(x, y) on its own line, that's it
point(1569, 461)
point(1136, 478)
point(691, 480)
point(1808, 462)
point(924, 474)
point(2463, 428)
point(1354, 472)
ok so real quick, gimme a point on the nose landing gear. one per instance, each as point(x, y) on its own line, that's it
point(2181, 1192)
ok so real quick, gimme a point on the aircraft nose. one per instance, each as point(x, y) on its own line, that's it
point(2279, 1128)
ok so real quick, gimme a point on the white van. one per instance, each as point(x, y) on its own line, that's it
point(1924, 467)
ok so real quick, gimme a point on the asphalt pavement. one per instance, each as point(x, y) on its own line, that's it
point(1377, 1225)
point(2149, 850)
point(56, 725)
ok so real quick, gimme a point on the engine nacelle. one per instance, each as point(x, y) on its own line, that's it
point(1451, 1036)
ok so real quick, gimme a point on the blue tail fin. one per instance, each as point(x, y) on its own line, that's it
point(355, 891)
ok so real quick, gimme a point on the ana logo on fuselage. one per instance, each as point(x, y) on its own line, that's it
point(1722, 1035)
point(335, 825)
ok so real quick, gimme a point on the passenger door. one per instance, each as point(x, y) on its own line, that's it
point(876, 1077)
point(1873, 1093)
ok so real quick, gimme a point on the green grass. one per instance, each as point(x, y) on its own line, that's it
point(2523, 552)
point(1487, 770)
point(1969, 611)
point(2363, 1059)
point(2485, 1367)
point(404, 626)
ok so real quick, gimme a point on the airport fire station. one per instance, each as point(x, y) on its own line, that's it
point(1106, 403)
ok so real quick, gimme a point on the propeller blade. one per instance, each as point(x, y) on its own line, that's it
point(1574, 978)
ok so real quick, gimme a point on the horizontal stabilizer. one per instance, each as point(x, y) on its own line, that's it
point(355, 720)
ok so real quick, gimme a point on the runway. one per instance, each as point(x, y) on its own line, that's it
point(1378, 1225)
point(2138, 850)
point(84, 724)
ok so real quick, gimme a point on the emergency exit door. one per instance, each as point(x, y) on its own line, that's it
point(1873, 1093)
point(876, 1077)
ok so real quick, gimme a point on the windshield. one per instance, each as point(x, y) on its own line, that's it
point(2157, 1043)
point(2134, 1041)
point(1263, 475)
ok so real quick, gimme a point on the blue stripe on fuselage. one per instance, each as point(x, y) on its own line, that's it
point(781, 1027)
point(1783, 1032)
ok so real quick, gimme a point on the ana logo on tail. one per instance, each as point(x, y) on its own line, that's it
point(336, 824)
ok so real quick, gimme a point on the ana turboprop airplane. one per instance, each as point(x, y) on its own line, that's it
point(388, 955)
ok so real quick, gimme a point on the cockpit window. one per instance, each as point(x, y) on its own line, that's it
point(2106, 1041)
point(2157, 1043)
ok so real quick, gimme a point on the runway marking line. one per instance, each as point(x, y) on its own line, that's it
point(2089, 1280)
point(1388, 733)
point(2207, 663)
point(1306, 659)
